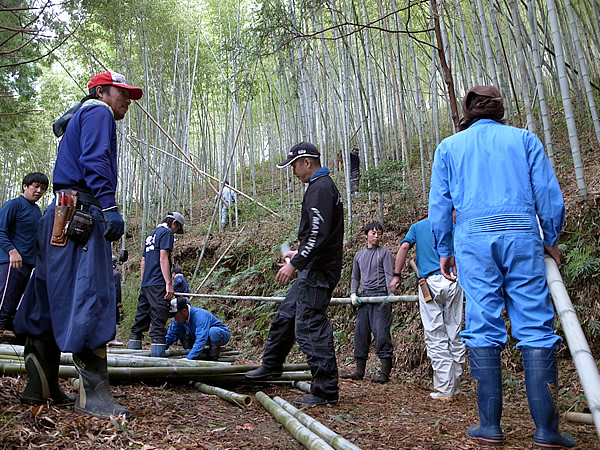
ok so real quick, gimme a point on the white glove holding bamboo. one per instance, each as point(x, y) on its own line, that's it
point(356, 301)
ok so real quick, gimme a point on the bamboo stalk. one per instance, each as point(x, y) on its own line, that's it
point(218, 261)
point(285, 377)
point(65, 371)
point(240, 400)
point(579, 417)
point(196, 168)
point(334, 300)
point(332, 438)
point(306, 437)
point(302, 385)
point(135, 360)
point(578, 346)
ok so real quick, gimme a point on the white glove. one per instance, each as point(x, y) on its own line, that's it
point(356, 301)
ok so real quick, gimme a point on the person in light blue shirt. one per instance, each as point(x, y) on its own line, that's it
point(500, 182)
point(441, 312)
point(200, 325)
point(228, 197)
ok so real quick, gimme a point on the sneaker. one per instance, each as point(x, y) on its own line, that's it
point(315, 400)
point(443, 397)
point(114, 343)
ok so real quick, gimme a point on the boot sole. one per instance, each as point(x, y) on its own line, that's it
point(80, 410)
point(488, 441)
point(264, 377)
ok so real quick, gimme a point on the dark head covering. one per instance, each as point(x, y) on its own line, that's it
point(481, 102)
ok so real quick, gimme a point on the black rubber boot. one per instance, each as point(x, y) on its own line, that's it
point(359, 373)
point(214, 350)
point(384, 372)
point(486, 369)
point(42, 358)
point(541, 380)
point(94, 396)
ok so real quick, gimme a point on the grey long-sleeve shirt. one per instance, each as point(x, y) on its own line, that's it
point(373, 269)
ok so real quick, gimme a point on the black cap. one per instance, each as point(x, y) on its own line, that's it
point(300, 150)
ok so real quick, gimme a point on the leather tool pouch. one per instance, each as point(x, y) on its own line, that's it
point(61, 218)
point(80, 227)
point(65, 205)
point(425, 289)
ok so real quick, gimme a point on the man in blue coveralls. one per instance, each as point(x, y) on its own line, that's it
point(19, 220)
point(69, 305)
point(200, 325)
point(499, 179)
point(157, 285)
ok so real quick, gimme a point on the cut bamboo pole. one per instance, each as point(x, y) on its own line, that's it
point(579, 417)
point(302, 434)
point(66, 371)
point(240, 400)
point(302, 385)
point(124, 360)
point(578, 346)
point(332, 438)
point(241, 378)
point(334, 300)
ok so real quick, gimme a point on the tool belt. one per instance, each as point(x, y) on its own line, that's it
point(72, 219)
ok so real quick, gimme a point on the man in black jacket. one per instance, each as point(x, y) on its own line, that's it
point(318, 261)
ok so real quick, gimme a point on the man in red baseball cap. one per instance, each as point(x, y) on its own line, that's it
point(69, 304)
point(115, 79)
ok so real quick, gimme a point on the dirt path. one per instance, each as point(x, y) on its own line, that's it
point(398, 415)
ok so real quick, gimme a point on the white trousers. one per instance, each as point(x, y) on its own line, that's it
point(442, 319)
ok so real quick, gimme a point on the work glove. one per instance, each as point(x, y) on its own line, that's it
point(114, 224)
point(356, 301)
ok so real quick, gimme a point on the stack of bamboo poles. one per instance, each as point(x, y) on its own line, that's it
point(135, 364)
point(305, 429)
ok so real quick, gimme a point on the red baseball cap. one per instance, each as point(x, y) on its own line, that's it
point(115, 79)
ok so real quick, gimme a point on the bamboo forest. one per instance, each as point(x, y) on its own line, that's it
point(375, 91)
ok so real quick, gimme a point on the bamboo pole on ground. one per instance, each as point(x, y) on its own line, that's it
point(302, 385)
point(302, 434)
point(124, 360)
point(579, 417)
point(332, 438)
point(285, 377)
point(334, 300)
point(160, 372)
point(578, 346)
point(240, 400)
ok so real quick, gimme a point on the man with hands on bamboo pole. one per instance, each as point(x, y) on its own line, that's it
point(157, 285)
point(199, 326)
point(372, 269)
point(318, 261)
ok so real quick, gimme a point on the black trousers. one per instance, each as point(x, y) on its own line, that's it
point(12, 285)
point(152, 308)
point(302, 315)
point(373, 319)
